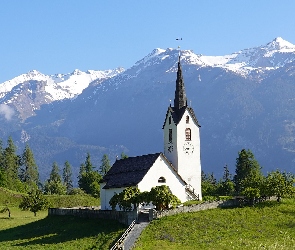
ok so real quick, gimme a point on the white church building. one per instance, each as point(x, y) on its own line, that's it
point(179, 167)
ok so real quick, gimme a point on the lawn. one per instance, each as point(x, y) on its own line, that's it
point(24, 231)
point(268, 225)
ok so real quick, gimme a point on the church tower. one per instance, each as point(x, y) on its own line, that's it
point(182, 139)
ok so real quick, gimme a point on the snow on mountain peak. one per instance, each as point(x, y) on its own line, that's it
point(279, 43)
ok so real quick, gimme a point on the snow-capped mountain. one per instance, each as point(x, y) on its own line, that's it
point(242, 100)
point(273, 55)
point(27, 92)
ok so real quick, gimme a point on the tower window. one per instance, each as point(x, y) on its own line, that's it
point(169, 119)
point(162, 180)
point(170, 135)
point(187, 119)
point(188, 135)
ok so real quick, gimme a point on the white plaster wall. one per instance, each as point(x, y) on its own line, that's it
point(189, 165)
point(171, 156)
point(162, 168)
point(106, 195)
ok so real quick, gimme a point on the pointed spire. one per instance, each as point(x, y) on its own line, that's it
point(180, 100)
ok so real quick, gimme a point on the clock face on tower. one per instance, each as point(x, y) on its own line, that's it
point(188, 148)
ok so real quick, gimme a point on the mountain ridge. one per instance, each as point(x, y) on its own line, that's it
point(125, 112)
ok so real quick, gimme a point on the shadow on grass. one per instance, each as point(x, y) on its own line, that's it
point(59, 229)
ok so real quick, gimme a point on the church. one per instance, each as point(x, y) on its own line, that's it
point(179, 167)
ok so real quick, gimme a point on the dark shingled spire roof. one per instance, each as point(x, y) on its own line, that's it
point(180, 100)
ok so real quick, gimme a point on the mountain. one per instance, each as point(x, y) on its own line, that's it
point(242, 100)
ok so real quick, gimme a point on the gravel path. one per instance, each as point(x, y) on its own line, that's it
point(134, 234)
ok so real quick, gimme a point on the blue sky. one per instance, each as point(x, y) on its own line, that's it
point(58, 36)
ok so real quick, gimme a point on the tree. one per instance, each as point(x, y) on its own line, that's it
point(54, 184)
point(89, 179)
point(125, 199)
point(209, 184)
point(34, 201)
point(105, 165)
point(29, 172)
point(248, 172)
point(226, 186)
point(124, 156)
point(162, 197)
point(11, 164)
point(279, 184)
point(67, 177)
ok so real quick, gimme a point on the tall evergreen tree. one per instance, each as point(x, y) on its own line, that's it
point(11, 160)
point(248, 172)
point(105, 165)
point(11, 167)
point(67, 177)
point(2, 173)
point(88, 165)
point(89, 178)
point(29, 172)
point(54, 184)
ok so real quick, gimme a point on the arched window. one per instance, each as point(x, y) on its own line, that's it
point(162, 180)
point(188, 135)
point(170, 135)
point(169, 119)
point(187, 119)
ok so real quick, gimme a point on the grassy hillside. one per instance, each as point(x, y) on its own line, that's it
point(10, 198)
point(24, 231)
point(269, 225)
point(13, 199)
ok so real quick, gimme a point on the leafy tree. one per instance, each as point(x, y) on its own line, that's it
point(248, 172)
point(130, 197)
point(34, 201)
point(89, 179)
point(279, 184)
point(67, 177)
point(29, 172)
point(209, 184)
point(54, 184)
point(125, 199)
point(162, 197)
point(105, 165)
point(124, 156)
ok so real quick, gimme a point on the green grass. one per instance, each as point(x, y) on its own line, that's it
point(268, 225)
point(24, 231)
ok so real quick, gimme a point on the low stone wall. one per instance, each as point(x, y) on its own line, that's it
point(193, 208)
point(89, 212)
point(153, 214)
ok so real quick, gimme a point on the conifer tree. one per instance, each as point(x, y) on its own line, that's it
point(11, 166)
point(11, 160)
point(89, 178)
point(2, 173)
point(29, 172)
point(105, 165)
point(67, 177)
point(54, 184)
point(248, 172)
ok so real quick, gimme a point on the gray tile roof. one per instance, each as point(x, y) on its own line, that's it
point(130, 171)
